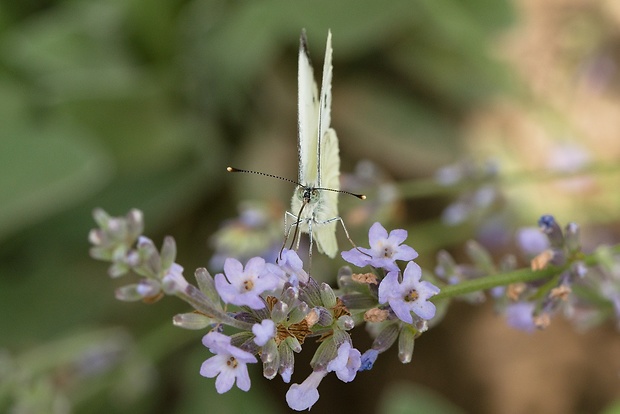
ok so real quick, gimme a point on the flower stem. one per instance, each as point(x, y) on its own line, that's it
point(517, 276)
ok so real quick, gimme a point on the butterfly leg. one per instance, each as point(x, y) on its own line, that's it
point(339, 219)
point(287, 230)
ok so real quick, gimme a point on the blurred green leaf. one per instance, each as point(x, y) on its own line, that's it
point(407, 398)
point(44, 170)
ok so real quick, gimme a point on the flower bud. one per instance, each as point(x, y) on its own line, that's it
point(345, 322)
point(386, 338)
point(298, 313)
point(405, 344)
point(328, 297)
point(549, 226)
point(279, 311)
point(573, 243)
point(192, 320)
point(168, 252)
point(287, 362)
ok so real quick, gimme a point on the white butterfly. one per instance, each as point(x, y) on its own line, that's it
point(314, 206)
point(315, 201)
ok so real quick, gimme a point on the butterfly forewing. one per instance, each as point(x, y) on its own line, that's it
point(307, 116)
point(325, 105)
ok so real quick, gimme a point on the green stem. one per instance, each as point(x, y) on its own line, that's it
point(517, 276)
point(430, 187)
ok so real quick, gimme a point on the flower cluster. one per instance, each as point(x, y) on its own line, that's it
point(277, 306)
point(479, 199)
point(396, 304)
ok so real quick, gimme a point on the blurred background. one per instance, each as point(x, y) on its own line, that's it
point(142, 104)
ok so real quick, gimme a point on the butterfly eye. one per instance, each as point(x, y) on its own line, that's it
point(315, 195)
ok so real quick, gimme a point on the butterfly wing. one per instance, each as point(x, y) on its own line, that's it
point(319, 159)
point(327, 207)
point(307, 117)
point(325, 105)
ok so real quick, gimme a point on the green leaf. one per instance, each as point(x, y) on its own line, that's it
point(408, 398)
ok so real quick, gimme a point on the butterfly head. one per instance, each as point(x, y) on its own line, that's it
point(308, 194)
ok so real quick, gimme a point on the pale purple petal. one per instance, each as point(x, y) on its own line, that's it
point(303, 396)
point(346, 363)
point(229, 363)
point(293, 265)
point(520, 316)
point(377, 232)
point(264, 331)
point(212, 366)
point(225, 381)
point(405, 253)
point(397, 236)
point(354, 256)
point(409, 295)
point(243, 378)
point(232, 267)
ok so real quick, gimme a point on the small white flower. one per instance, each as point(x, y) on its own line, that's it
point(243, 287)
point(347, 363)
point(264, 331)
point(229, 363)
point(303, 396)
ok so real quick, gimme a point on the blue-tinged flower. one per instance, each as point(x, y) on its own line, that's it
point(264, 331)
point(347, 362)
point(244, 287)
point(228, 364)
point(520, 316)
point(293, 266)
point(174, 281)
point(303, 396)
point(368, 360)
point(532, 241)
point(384, 249)
point(409, 295)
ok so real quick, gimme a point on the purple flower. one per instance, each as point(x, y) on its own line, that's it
point(174, 282)
point(409, 295)
point(264, 331)
point(303, 396)
point(292, 265)
point(520, 316)
point(384, 249)
point(228, 364)
point(532, 241)
point(244, 287)
point(368, 360)
point(347, 362)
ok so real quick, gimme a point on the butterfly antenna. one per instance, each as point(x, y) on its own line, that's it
point(233, 169)
point(360, 196)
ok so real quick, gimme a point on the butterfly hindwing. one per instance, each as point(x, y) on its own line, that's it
point(327, 207)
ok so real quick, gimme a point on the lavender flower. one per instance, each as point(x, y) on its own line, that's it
point(384, 249)
point(520, 316)
point(368, 359)
point(229, 363)
point(292, 265)
point(303, 396)
point(264, 331)
point(347, 363)
point(244, 287)
point(408, 295)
